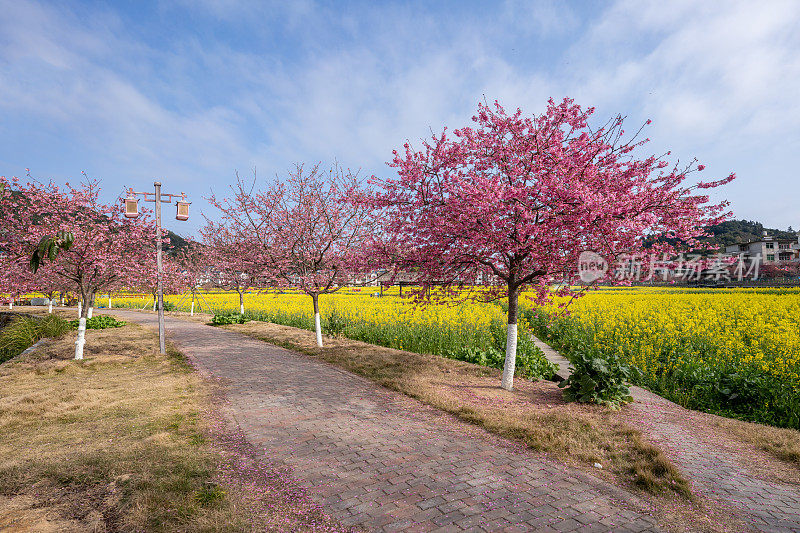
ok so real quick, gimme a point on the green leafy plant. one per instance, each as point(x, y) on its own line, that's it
point(531, 362)
point(49, 246)
point(598, 380)
point(335, 323)
point(229, 318)
point(99, 322)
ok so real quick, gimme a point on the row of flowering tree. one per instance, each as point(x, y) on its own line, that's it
point(108, 250)
point(310, 231)
point(511, 203)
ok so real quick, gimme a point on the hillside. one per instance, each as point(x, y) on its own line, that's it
point(736, 231)
point(176, 243)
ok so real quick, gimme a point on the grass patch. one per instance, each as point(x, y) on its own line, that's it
point(535, 413)
point(784, 444)
point(24, 331)
point(122, 441)
point(107, 442)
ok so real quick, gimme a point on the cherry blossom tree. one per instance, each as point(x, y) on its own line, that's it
point(516, 199)
point(194, 268)
point(230, 254)
point(16, 278)
point(308, 231)
point(108, 249)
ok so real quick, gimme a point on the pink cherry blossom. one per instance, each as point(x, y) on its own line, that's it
point(510, 204)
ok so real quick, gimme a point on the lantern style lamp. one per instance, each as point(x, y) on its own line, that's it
point(182, 212)
point(131, 206)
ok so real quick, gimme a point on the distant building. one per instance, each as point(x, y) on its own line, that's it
point(770, 250)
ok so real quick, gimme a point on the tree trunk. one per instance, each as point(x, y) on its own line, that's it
point(241, 300)
point(191, 313)
point(81, 338)
point(50, 305)
point(91, 305)
point(155, 300)
point(511, 339)
point(83, 304)
point(109, 300)
point(317, 323)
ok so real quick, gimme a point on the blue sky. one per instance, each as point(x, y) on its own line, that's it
point(191, 91)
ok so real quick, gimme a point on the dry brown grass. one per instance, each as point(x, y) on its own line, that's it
point(122, 442)
point(783, 444)
point(534, 413)
point(110, 443)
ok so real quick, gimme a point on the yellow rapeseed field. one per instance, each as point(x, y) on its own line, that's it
point(729, 327)
point(738, 349)
point(732, 351)
point(409, 326)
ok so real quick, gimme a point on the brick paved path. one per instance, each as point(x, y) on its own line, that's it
point(720, 474)
point(381, 460)
point(717, 473)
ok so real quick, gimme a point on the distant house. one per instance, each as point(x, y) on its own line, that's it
point(769, 249)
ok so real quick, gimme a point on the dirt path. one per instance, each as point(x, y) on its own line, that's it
point(378, 459)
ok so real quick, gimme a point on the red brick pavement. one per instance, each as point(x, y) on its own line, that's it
point(378, 459)
point(720, 473)
point(717, 472)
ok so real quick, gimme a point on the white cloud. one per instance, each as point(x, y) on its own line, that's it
point(719, 81)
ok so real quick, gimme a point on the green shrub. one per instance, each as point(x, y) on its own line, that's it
point(229, 318)
point(595, 379)
point(25, 331)
point(531, 361)
point(99, 322)
point(334, 323)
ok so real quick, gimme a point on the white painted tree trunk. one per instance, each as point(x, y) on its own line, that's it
point(191, 313)
point(511, 358)
point(80, 308)
point(109, 301)
point(81, 339)
point(11, 305)
point(241, 309)
point(50, 305)
point(89, 314)
point(318, 329)
point(155, 301)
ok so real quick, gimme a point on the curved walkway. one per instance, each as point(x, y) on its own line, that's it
point(718, 469)
point(380, 460)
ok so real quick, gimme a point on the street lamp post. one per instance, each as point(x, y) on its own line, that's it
point(131, 211)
